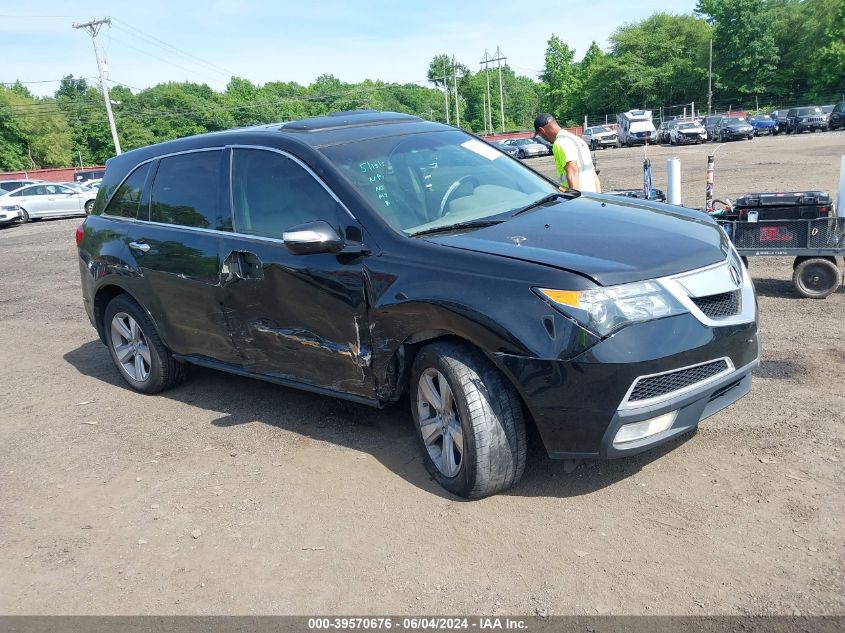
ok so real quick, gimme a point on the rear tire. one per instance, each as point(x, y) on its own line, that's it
point(816, 278)
point(136, 348)
point(459, 398)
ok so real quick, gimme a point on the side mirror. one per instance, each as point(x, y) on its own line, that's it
point(312, 237)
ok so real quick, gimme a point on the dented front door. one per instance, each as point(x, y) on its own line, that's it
point(300, 318)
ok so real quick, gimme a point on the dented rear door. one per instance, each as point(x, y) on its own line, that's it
point(296, 317)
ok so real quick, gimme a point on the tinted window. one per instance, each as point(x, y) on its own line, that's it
point(127, 198)
point(272, 193)
point(186, 190)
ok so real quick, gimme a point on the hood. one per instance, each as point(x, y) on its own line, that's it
point(696, 129)
point(603, 237)
point(736, 126)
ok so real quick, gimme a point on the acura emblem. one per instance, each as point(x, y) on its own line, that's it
point(736, 276)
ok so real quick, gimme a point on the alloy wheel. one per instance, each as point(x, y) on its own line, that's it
point(130, 347)
point(440, 423)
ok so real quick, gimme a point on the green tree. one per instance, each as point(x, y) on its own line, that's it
point(744, 49)
point(33, 132)
point(560, 82)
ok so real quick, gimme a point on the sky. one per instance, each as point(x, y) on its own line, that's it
point(153, 41)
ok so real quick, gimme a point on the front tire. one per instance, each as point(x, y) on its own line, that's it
point(89, 207)
point(816, 278)
point(24, 216)
point(469, 421)
point(136, 348)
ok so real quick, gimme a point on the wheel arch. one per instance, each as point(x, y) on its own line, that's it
point(103, 296)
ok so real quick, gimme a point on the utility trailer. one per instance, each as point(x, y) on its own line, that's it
point(798, 224)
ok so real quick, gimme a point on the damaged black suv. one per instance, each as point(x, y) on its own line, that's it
point(366, 255)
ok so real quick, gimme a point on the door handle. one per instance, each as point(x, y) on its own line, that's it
point(142, 247)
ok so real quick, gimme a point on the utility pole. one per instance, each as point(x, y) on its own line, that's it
point(499, 58)
point(446, 89)
point(710, 81)
point(455, 83)
point(488, 120)
point(93, 27)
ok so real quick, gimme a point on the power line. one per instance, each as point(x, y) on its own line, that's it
point(136, 32)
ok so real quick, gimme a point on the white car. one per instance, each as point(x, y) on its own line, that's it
point(687, 132)
point(600, 136)
point(47, 200)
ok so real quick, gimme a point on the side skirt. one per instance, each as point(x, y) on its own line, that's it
point(202, 361)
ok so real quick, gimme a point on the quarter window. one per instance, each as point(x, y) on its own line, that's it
point(186, 190)
point(127, 199)
point(272, 193)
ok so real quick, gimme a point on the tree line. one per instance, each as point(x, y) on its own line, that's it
point(769, 52)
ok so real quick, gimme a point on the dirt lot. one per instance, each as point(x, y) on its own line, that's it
point(232, 496)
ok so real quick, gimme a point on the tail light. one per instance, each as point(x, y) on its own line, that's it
point(80, 233)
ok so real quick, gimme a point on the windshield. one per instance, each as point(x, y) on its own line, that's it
point(806, 111)
point(686, 126)
point(761, 117)
point(422, 181)
point(600, 129)
point(735, 121)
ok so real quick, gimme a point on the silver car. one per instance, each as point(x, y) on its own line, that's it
point(47, 200)
point(527, 148)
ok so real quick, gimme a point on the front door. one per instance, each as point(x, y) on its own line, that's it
point(295, 317)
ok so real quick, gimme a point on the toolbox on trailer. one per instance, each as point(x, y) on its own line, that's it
point(793, 205)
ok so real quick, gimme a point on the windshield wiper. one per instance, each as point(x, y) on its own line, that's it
point(542, 201)
point(447, 228)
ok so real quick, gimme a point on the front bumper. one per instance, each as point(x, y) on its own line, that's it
point(732, 135)
point(7, 217)
point(579, 405)
point(762, 131)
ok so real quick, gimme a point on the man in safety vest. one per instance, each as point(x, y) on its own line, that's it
point(574, 163)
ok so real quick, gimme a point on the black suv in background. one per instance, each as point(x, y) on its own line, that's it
point(711, 126)
point(365, 255)
point(837, 117)
point(807, 118)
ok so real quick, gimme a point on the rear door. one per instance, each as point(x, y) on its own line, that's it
point(296, 317)
point(175, 246)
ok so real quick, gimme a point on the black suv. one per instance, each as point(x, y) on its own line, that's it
point(837, 117)
point(367, 255)
point(807, 118)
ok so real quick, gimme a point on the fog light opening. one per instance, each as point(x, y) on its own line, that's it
point(628, 433)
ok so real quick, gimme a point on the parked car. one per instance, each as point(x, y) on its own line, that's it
point(781, 119)
point(735, 128)
point(762, 124)
point(47, 200)
point(527, 148)
point(807, 118)
point(367, 255)
point(88, 174)
point(600, 137)
point(837, 117)
point(11, 185)
point(661, 136)
point(711, 126)
point(510, 150)
point(685, 132)
point(539, 139)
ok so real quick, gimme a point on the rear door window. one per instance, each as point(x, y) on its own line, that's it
point(186, 190)
point(127, 199)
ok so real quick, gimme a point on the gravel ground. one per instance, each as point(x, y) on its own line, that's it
point(232, 496)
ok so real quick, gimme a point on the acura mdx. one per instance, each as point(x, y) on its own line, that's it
point(369, 255)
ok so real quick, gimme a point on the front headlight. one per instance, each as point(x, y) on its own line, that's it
point(13, 207)
point(605, 310)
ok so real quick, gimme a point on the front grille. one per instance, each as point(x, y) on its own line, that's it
point(719, 306)
point(656, 386)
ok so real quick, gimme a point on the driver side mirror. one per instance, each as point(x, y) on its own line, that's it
point(312, 237)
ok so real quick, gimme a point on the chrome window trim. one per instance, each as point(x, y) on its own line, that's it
point(197, 229)
point(627, 406)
